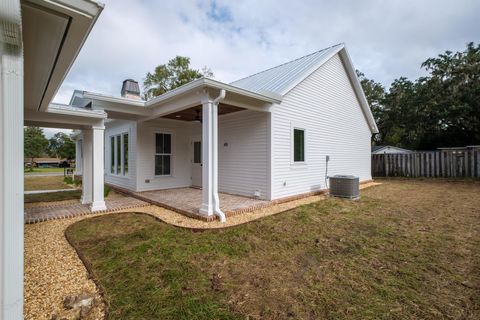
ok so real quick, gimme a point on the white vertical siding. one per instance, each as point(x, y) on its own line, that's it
point(181, 155)
point(242, 153)
point(114, 128)
point(326, 106)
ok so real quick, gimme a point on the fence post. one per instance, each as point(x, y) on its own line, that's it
point(478, 162)
point(385, 161)
point(472, 163)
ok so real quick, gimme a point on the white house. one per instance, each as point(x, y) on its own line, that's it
point(39, 40)
point(268, 135)
point(389, 150)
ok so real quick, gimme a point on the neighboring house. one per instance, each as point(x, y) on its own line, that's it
point(272, 136)
point(388, 150)
point(46, 162)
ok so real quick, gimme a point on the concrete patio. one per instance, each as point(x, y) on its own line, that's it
point(187, 201)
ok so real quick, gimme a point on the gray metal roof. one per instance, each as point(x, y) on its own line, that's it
point(282, 78)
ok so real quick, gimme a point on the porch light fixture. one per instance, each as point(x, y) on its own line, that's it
point(197, 117)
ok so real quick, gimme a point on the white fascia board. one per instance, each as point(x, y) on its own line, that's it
point(119, 100)
point(209, 83)
point(144, 107)
point(358, 89)
point(74, 111)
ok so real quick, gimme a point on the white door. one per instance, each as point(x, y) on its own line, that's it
point(197, 164)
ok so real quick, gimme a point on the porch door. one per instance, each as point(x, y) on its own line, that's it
point(197, 164)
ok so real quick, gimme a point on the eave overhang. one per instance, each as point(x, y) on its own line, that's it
point(54, 31)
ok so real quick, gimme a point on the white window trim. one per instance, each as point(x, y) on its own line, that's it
point(294, 163)
point(172, 150)
point(115, 172)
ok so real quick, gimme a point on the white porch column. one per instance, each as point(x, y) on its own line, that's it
point(207, 159)
point(78, 156)
point(210, 198)
point(98, 202)
point(11, 166)
point(87, 167)
point(216, 199)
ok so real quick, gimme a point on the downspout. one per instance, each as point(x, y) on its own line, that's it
point(216, 201)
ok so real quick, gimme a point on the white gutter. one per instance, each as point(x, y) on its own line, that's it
point(74, 111)
point(205, 82)
point(172, 94)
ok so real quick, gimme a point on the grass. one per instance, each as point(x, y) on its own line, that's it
point(53, 196)
point(406, 250)
point(45, 183)
point(42, 170)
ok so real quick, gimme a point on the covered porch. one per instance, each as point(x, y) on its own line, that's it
point(206, 134)
point(91, 123)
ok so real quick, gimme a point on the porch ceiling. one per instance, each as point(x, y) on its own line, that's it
point(191, 114)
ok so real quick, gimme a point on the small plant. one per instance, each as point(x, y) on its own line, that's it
point(106, 191)
point(68, 180)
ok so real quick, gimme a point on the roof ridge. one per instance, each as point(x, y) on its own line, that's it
point(282, 64)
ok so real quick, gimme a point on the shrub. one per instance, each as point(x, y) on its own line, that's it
point(68, 180)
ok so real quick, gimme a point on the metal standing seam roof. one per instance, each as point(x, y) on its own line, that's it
point(280, 79)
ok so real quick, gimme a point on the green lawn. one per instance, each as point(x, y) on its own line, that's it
point(53, 196)
point(407, 250)
point(42, 170)
point(44, 183)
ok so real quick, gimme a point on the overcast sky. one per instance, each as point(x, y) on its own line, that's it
point(386, 39)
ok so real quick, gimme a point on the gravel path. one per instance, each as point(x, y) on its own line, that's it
point(53, 269)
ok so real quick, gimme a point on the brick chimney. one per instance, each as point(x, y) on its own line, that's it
point(130, 89)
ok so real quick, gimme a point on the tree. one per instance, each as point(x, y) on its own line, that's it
point(175, 73)
point(61, 146)
point(35, 143)
point(375, 94)
point(441, 109)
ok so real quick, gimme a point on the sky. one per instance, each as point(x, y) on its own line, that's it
point(385, 39)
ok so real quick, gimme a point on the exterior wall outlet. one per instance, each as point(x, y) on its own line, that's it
point(147, 180)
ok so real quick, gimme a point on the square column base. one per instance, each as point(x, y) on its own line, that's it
point(84, 200)
point(206, 210)
point(98, 206)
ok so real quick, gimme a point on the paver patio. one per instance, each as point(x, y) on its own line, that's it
point(70, 210)
point(188, 200)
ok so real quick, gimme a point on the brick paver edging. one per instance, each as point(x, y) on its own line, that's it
point(228, 213)
point(59, 211)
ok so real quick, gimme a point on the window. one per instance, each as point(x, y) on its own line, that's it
point(298, 145)
point(125, 154)
point(119, 154)
point(118, 159)
point(163, 154)
point(112, 155)
point(197, 152)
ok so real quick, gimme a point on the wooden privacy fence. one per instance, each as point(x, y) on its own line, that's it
point(458, 163)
